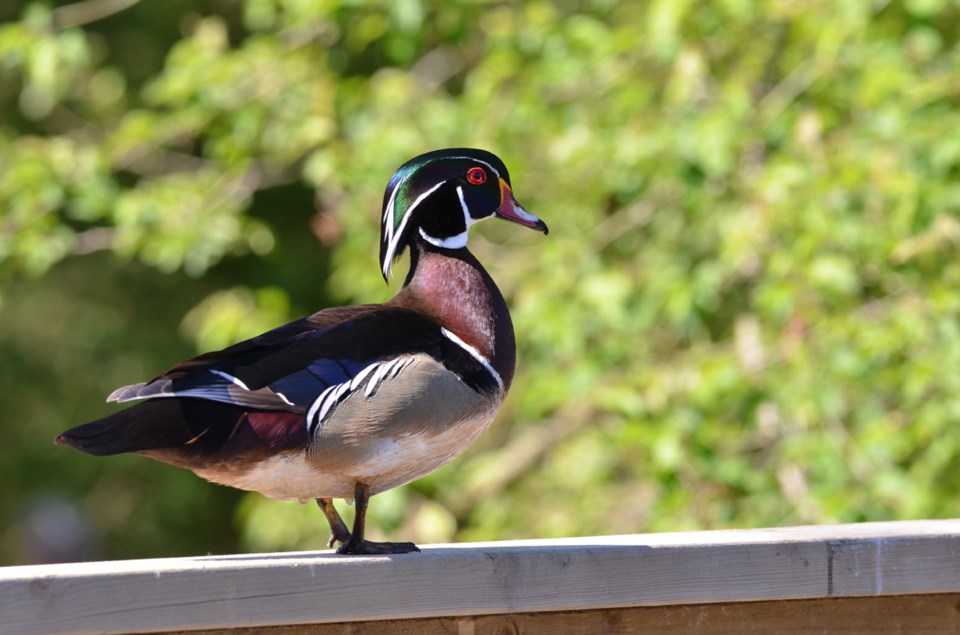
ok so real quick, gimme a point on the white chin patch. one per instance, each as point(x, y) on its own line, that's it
point(452, 242)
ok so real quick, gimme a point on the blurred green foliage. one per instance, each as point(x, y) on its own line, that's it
point(746, 313)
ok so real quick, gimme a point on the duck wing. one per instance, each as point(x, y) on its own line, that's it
point(289, 367)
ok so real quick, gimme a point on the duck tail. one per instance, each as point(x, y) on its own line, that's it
point(149, 425)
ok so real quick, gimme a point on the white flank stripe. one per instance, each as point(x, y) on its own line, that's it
point(336, 392)
point(333, 394)
point(229, 378)
point(315, 406)
point(473, 353)
point(372, 384)
point(329, 403)
point(403, 364)
point(359, 378)
point(377, 376)
point(344, 387)
point(285, 400)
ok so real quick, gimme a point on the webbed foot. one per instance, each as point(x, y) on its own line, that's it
point(370, 548)
point(353, 543)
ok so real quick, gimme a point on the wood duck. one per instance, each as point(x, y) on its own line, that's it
point(350, 401)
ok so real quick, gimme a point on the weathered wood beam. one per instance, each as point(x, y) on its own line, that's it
point(473, 580)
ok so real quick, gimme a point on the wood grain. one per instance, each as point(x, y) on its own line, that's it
point(485, 579)
point(916, 614)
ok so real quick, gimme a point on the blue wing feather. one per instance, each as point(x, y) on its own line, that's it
point(303, 386)
point(289, 368)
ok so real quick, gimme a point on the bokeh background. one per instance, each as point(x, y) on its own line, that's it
point(745, 315)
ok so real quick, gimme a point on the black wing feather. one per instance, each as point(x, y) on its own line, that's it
point(288, 367)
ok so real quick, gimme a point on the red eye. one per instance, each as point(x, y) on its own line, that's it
point(476, 176)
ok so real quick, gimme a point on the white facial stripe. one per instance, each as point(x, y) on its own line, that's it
point(458, 241)
point(467, 218)
point(492, 169)
point(393, 238)
point(452, 242)
point(388, 213)
point(388, 226)
point(473, 353)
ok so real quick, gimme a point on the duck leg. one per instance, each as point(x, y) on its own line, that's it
point(356, 544)
point(339, 531)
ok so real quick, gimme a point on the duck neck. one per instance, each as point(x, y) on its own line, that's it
point(453, 288)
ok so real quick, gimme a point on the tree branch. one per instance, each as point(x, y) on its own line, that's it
point(87, 11)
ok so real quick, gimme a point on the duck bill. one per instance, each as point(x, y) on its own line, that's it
point(511, 210)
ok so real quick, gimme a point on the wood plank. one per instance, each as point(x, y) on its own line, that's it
point(916, 614)
point(886, 559)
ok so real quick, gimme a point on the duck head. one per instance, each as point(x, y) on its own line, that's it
point(438, 195)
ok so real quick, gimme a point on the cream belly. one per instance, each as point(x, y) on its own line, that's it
point(386, 463)
point(285, 476)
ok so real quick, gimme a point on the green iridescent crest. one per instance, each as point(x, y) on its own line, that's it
point(411, 184)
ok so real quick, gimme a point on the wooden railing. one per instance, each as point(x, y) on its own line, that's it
point(877, 577)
